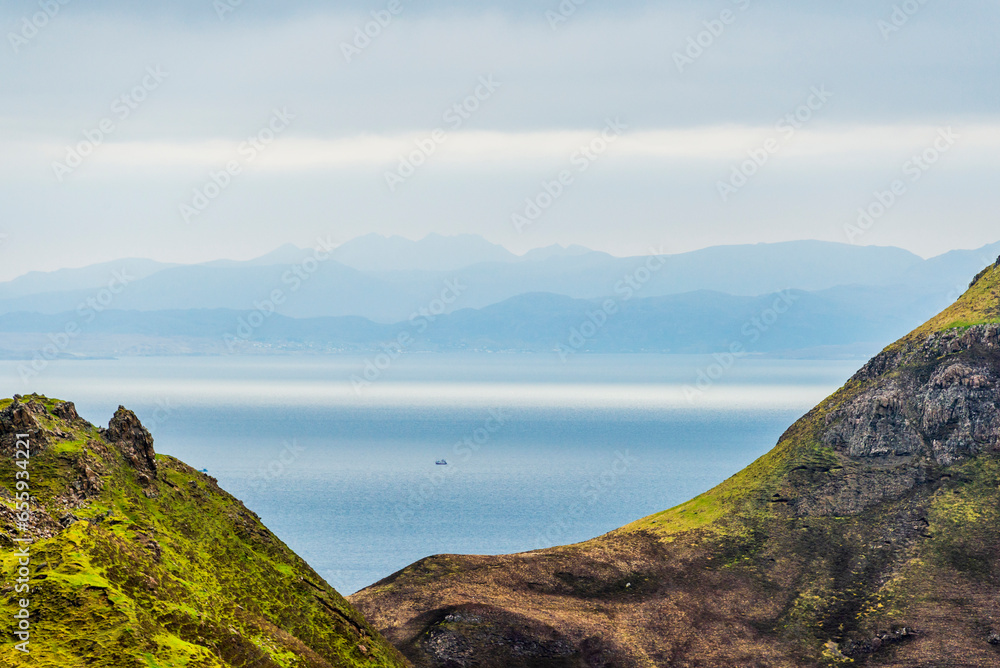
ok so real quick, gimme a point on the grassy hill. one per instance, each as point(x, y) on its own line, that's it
point(137, 560)
point(869, 536)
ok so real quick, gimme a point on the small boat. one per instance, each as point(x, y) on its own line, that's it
point(441, 462)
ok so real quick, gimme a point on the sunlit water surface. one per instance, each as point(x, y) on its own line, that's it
point(539, 452)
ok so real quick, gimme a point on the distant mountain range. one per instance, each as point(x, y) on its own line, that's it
point(465, 293)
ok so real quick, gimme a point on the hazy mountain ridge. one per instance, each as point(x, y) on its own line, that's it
point(697, 322)
point(387, 288)
point(847, 298)
point(434, 252)
point(92, 277)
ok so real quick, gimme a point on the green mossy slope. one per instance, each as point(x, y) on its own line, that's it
point(153, 565)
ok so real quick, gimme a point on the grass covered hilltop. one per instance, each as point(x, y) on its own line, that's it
point(138, 560)
point(869, 536)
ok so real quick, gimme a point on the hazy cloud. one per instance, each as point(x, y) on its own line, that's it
point(688, 127)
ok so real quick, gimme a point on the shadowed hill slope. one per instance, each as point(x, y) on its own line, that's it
point(137, 560)
point(869, 536)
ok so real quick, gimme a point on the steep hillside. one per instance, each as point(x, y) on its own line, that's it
point(136, 560)
point(869, 536)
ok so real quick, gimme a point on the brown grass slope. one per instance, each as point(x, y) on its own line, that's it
point(868, 536)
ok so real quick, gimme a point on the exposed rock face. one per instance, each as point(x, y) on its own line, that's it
point(945, 418)
point(89, 484)
point(65, 410)
point(136, 443)
point(460, 636)
point(931, 408)
point(20, 418)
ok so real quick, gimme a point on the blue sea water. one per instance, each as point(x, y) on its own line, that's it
point(540, 451)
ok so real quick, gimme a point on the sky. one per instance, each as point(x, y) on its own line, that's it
point(199, 129)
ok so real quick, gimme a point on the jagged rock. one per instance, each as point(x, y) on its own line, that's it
point(925, 412)
point(945, 418)
point(135, 442)
point(65, 410)
point(19, 418)
point(90, 483)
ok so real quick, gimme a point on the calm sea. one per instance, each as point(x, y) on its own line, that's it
point(539, 452)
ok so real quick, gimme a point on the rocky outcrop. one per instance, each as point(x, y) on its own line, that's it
point(459, 636)
point(932, 406)
point(65, 410)
point(943, 418)
point(135, 442)
point(20, 418)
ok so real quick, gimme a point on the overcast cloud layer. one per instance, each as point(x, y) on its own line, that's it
point(885, 84)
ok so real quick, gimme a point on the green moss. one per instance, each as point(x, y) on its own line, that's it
point(178, 573)
point(964, 518)
point(69, 447)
